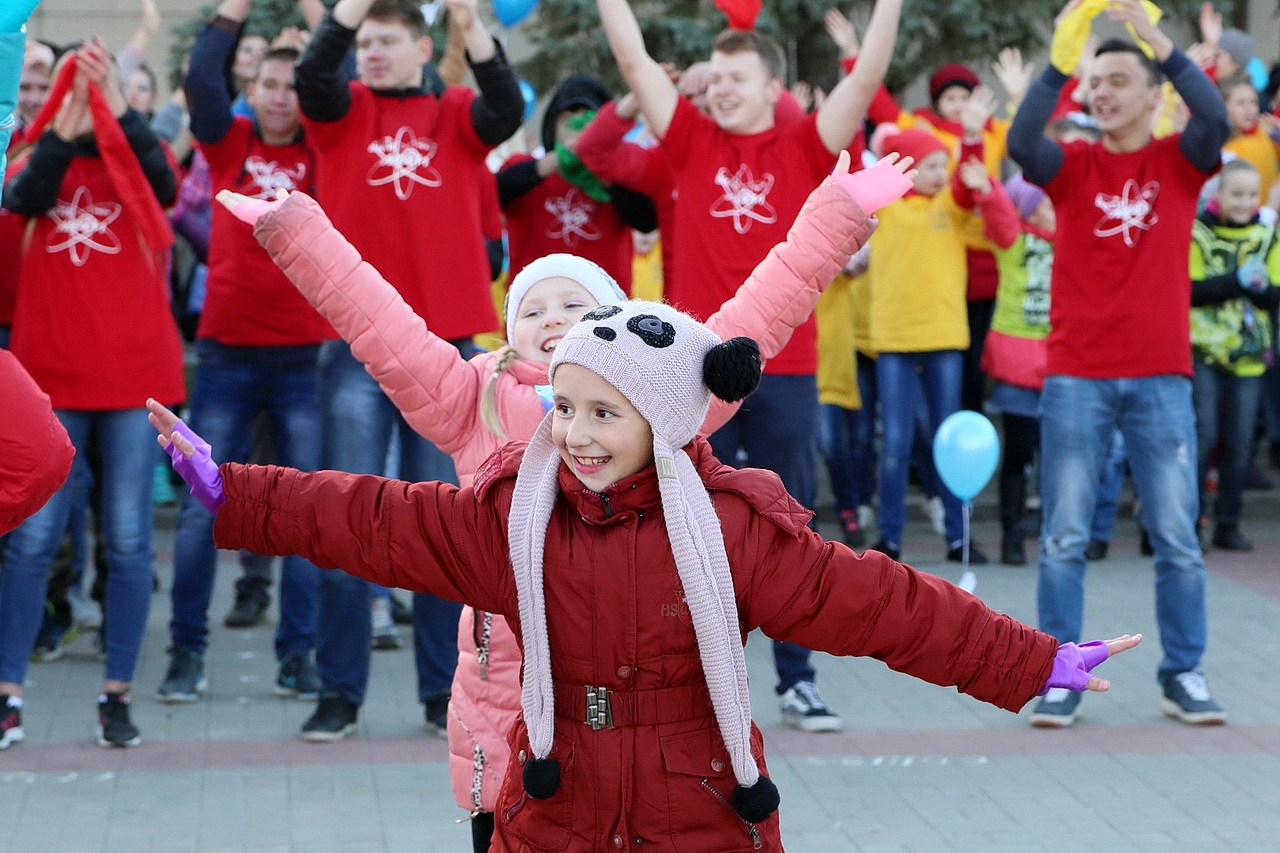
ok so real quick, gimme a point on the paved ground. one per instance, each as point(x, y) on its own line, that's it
point(917, 768)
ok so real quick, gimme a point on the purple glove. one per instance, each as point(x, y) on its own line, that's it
point(874, 187)
point(198, 471)
point(1072, 665)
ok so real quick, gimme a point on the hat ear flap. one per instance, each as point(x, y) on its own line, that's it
point(732, 369)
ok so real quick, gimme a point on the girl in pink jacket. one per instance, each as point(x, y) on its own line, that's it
point(471, 408)
point(633, 565)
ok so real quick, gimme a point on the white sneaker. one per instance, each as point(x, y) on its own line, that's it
point(803, 709)
point(936, 514)
point(866, 517)
point(385, 634)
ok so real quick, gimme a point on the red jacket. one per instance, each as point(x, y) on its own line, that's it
point(35, 452)
point(616, 619)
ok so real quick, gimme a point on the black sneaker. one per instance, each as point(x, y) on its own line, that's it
point(184, 681)
point(114, 726)
point(248, 610)
point(955, 554)
point(436, 712)
point(1058, 709)
point(849, 527)
point(803, 709)
point(10, 723)
point(298, 677)
point(1096, 550)
point(334, 719)
point(1187, 698)
point(1229, 538)
point(401, 613)
point(52, 642)
point(893, 552)
point(1013, 552)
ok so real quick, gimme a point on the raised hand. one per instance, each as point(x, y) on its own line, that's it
point(872, 188)
point(1014, 74)
point(977, 112)
point(842, 32)
point(248, 209)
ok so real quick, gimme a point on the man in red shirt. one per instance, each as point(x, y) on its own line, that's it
point(1119, 353)
point(258, 341)
point(740, 180)
point(398, 170)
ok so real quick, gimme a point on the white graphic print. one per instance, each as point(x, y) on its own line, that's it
point(80, 226)
point(400, 159)
point(270, 176)
point(572, 213)
point(1134, 208)
point(744, 198)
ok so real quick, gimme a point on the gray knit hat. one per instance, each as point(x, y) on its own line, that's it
point(667, 365)
point(586, 273)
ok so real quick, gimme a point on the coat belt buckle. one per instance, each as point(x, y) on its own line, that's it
point(599, 713)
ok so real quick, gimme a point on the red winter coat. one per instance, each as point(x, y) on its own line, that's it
point(616, 619)
point(35, 452)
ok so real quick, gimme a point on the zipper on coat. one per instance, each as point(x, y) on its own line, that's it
point(608, 506)
point(746, 825)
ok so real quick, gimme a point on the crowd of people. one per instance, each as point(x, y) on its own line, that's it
point(338, 224)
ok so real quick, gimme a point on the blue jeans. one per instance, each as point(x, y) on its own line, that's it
point(836, 428)
point(1154, 413)
point(777, 429)
point(1232, 401)
point(863, 440)
point(358, 424)
point(1110, 482)
point(127, 441)
point(902, 377)
point(232, 386)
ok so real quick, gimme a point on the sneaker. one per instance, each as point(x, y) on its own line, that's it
point(436, 712)
point(114, 726)
point(1187, 698)
point(803, 709)
point(1096, 550)
point(184, 681)
point(298, 677)
point(52, 642)
point(1013, 552)
point(866, 516)
point(936, 514)
point(10, 723)
point(1228, 539)
point(401, 613)
point(85, 611)
point(248, 610)
point(385, 634)
point(1058, 709)
point(853, 535)
point(334, 719)
point(955, 554)
point(893, 552)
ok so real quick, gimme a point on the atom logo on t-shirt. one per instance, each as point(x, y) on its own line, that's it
point(745, 199)
point(269, 176)
point(400, 159)
point(81, 226)
point(1134, 208)
point(572, 213)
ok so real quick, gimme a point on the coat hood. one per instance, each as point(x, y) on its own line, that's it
point(577, 90)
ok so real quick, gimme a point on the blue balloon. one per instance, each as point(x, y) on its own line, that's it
point(965, 452)
point(512, 12)
point(530, 98)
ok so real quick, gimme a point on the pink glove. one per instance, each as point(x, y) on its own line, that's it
point(198, 471)
point(253, 209)
point(1072, 665)
point(874, 187)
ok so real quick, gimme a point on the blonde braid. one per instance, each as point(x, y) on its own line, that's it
point(489, 400)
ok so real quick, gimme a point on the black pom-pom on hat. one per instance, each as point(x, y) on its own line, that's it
point(753, 804)
point(732, 369)
point(541, 777)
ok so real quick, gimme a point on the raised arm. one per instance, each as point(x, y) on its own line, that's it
point(604, 150)
point(206, 80)
point(645, 77)
point(846, 107)
point(318, 77)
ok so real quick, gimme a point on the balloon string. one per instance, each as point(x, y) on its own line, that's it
point(966, 507)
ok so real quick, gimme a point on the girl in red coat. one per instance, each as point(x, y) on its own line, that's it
point(633, 565)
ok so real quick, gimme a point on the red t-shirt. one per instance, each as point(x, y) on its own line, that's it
point(11, 229)
point(92, 323)
point(249, 301)
point(736, 197)
point(398, 177)
point(1121, 287)
point(556, 216)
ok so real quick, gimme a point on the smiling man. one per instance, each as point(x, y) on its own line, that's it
point(1119, 353)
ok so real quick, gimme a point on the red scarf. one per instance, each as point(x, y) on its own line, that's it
point(122, 164)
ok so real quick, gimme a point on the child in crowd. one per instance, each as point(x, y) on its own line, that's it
point(1251, 138)
point(470, 408)
point(632, 562)
point(1234, 265)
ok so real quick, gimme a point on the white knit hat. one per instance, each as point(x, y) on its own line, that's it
point(590, 275)
point(667, 365)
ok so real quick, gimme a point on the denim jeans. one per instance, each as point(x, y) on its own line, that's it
point(232, 386)
point(358, 424)
point(902, 377)
point(1222, 398)
point(836, 428)
point(777, 429)
point(1110, 482)
point(1154, 413)
point(863, 440)
point(128, 443)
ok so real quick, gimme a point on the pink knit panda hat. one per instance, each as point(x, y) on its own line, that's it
point(667, 365)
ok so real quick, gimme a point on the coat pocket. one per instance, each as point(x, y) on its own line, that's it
point(700, 785)
point(541, 824)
